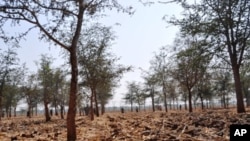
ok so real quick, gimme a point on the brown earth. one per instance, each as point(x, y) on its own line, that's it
point(212, 125)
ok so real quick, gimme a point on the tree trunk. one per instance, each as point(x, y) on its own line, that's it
point(10, 112)
point(61, 111)
point(32, 111)
point(165, 98)
point(248, 99)
point(190, 101)
point(45, 99)
point(47, 116)
point(102, 108)
point(170, 104)
point(201, 98)
point(1, 110)
point(1, 91)
point(96, 104)
point(56, 112)
point(15, 111)
point(71, 126)
point(144, 106)
point(131, 105)
point(91, 105)
point(7, 112)
point(185, 101)
point(207, 104)
point(153, 100)
point(36, 109)
point(224, 100)
point(239, 95)
point(1, 99)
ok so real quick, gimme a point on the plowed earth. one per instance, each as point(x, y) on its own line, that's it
point(211, 125)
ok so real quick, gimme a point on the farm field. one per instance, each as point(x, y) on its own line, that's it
point(212, 125)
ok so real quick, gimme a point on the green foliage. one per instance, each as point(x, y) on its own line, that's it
point(192, 64)
point(98, 69)
point(60, 23)
point(134, 94)
point(8, 62)
point(31, 91)
point(223, 26)
point(45, 75)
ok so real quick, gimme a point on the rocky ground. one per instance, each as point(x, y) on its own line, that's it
point(212, 125)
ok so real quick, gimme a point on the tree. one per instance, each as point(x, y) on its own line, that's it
point(58, 81)
point(226, 25)
point(12, 90)
point(8, 59)
point(159, 66)
point(172, 94)
point(45, 75)
point(32, 93)
point(97, 63)
point(204, 89)
point(191, 66)
point(92, 59)
point(130, 95)
point(245, 82)
point(150, 86)
point(104, 93)
point(139, 96)
point(64, 98)
point(223, 84)
point(134, 94)
point(60, 23)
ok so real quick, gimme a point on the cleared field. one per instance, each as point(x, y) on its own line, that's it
point(212, 125)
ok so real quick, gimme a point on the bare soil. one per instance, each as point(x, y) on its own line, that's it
point(212, 125)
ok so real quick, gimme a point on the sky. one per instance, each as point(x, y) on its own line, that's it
point(138, 37)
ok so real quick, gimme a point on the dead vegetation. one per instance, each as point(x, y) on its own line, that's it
point(211, 125)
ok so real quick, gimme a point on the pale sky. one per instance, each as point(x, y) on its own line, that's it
point(138, 37)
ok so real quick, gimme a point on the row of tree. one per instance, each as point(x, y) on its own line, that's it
point(211, 49)
point(183, 77)
point(99, 75)
point(60, 23)
point(212, 27)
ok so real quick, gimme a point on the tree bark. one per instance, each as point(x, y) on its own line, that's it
point(71, 126)
point(91, 105)
point(61, 111)
point(47, 116)
point(202, 103)
point(237, 83)
point(10, 112)
point(1, 110)
point(96, 103)
point(1, 94)
point(55, 107)
point(45, 100)
point(36, 109)
point(170, 104)
point(15, 111)
point(153, 99)
point(190, 101)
